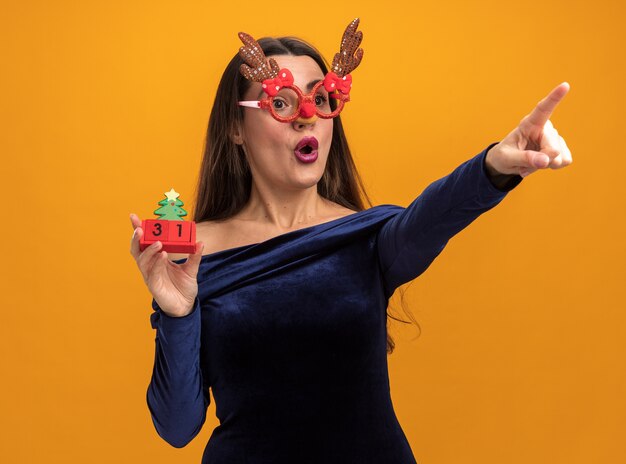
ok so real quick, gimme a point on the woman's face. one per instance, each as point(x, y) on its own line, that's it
point(274, 149)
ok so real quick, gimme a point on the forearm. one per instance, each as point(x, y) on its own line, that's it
point(409, 242)
point(175, 395)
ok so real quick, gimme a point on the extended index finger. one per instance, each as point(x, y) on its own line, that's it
point(542, 112)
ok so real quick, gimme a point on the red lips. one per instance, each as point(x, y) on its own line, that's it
point(306, 150)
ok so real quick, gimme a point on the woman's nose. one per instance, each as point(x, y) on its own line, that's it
point(301, 122)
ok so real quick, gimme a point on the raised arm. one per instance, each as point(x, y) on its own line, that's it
point(410, 241)
point(175, 394)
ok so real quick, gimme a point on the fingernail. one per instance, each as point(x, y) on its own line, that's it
point(543, 161)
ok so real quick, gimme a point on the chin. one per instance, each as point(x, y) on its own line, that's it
point(304, 180)
point(308, 182)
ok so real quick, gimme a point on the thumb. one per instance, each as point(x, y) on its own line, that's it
point(536, 159)
point(193, 262)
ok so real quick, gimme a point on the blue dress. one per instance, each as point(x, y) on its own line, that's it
point(290, 334)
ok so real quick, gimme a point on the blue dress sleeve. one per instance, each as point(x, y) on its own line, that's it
point(411, 240)
point(175, 395)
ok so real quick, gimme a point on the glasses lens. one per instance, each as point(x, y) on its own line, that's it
point(323, 102)
point(285, 103)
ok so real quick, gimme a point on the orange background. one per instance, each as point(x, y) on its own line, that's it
point(104, 108)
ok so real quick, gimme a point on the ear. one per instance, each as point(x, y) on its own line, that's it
point(236, 135)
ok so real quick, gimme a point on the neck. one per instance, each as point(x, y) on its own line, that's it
point(282, 209)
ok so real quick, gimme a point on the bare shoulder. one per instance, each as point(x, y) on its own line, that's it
point(336, 211)
point(235, 232)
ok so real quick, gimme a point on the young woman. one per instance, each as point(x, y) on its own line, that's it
point(282, 309)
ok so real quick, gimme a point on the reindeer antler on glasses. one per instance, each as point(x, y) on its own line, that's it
point(350, 55)
point(257, 67)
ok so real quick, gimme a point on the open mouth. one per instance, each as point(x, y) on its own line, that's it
point(306, 150)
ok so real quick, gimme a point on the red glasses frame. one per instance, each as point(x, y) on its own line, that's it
point(306, 102)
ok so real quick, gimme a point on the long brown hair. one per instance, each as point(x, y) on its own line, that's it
point(225, 179)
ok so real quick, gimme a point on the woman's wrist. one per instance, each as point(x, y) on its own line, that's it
point(499, 180)
point(491, 170)
point(178, 314)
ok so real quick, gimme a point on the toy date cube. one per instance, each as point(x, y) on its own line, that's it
point(175, 236)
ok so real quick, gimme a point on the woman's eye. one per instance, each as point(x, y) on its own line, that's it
point(320, 100)
point(279, 104)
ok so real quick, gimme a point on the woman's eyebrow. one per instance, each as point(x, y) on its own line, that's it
point(311, 84)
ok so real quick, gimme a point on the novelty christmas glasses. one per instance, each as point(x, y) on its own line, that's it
point(285, 101)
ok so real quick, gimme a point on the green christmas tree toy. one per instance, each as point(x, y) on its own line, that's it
point(176, 235)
